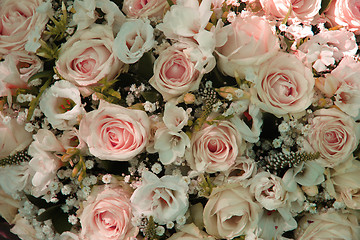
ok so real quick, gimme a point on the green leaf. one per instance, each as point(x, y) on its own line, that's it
point(49, 213)
point(36, 100)
point(39, 202)
point(151, 96)
point(60, 222)
point(41, 75)
point(145, 66)
point(324, 5)
point(170, 2)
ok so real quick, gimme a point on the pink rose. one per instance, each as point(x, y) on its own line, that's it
point(107, 214)
point(345, 13)
point(174, 73)
point(245, 43)
point(230, 212)
point(283, 85)
point(87, 57)
point(13, 137)
point(17, 20)
point(328, 225)
point(334, 135)
point(16, 69)
point(116, 133)
point(303, 11)
point(215, 147)
point(144, 8)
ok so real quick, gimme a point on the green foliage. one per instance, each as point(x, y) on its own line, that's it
point(58, 218)
point(150, 231)
point(324, 5)
point(16, 159)
point(106, 91)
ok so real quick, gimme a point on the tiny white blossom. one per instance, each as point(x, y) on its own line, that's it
point(106, 178)
point(66, 189)
point(170, 225)
point(160, 230)
point(29, 127)
point(156, 168)
point(181, 220)
point(283, 127)
point(72, 219)
point(149, 106)
point(89, 164)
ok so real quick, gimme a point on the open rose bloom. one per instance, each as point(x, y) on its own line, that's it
point(180, 119)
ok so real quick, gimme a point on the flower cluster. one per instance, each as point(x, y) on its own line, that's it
point(180, 119)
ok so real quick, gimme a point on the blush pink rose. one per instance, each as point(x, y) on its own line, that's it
point(144, 8)
point(244, 44)
point(334, 135)
point(87, 57)
point(174, 73)
point(231, 211)
point(17, 20)
point(283, 85)
point(107, 214)
point(13, 137)
point(215, 147)
point(16, 69)
point(301, 10)
point(115, 133)
point(345, 13)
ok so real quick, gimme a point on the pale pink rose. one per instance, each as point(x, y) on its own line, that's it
point(244, 44)
point(13, 137)
point(17, 20)
point(269, 190)
point(231, 211)
point(17, 68)
point(301, 10)
point(345, 13)
point(283, 85)
point(190, 232)
point(327, 85)
point(328, 225)
point(144, 8)
point(347, 94)
point(115, 133)
point(87, 57)
point(163, 198)
point(107, 214)
point(334, 135)
point(343, 183)
point(174, 73)
point(243, 169)
point(215, 147)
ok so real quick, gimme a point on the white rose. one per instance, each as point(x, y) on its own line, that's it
point(134, 39)
point(230, 212)
point(163, 198)
point(61, 104)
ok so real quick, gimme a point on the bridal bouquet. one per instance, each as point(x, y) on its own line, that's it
point(180, 119)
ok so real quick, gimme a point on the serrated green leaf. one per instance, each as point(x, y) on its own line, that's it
point(324, 5)
point(114, 93)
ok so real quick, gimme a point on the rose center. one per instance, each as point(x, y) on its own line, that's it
point(176, 71)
